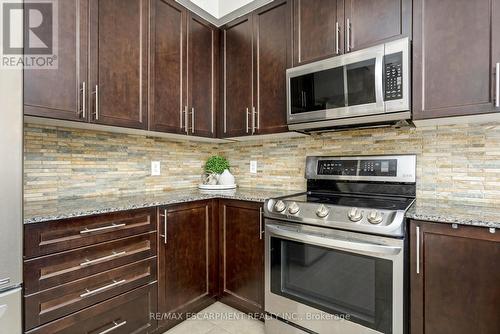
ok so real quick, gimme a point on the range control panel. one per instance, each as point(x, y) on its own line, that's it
point(393, 76)
point(380, 167)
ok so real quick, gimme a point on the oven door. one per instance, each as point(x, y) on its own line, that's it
point(330, 281)
point(340, 87)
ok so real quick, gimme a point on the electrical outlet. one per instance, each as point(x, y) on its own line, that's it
point(253, 167)
point(155, 168)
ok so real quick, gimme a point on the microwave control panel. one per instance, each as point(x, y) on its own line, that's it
point(393, 74)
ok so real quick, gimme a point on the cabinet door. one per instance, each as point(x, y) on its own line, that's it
point(119, 62)
point(314, 27)
point(242, 255)
point(187, 259)
point(373, 22)
point(238, 77)
point(456, 47)
point(168, 53)
point(455, 290)
point(272, 45)
point(59, 93)
point(203, 45)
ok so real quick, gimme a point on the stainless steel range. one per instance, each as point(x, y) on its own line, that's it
point(335, 255)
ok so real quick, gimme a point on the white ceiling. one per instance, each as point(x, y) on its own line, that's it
point(220, 8)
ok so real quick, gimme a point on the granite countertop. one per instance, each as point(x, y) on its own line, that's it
point(455, 212)
point(42, 211)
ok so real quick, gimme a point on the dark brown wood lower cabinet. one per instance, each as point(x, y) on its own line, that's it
point(455, 282)
point(187, 259)
point(127, 313)
point(242, 255)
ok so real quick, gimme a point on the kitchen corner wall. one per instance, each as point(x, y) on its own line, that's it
point(454, 162)
point(64, 163)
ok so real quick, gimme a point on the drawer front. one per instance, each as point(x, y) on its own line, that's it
point(49, 305)
point(53, 270)
point(57, 236)
point(125, 314)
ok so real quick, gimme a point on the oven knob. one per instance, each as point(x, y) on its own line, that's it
point(279, 206)
point(322, 211)
point(375, 217)
point(293, 208)
point(355, 215)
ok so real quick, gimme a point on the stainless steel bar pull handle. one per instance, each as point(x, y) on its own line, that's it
point(186, 119)
point(418, 249)
point(254, 123)
point(116, 326)
point(192, 119)
point(348, 35)
point(84, 99)
point(337, 37)
point(109, 227)
point(104, 258)
point(248, 114)
point(96, 102)
point(261, 229)
point(165, 226)
point(497, 102)
point(93, 292)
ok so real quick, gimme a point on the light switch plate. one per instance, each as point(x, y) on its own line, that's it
point(155, 168)
point(253, 167)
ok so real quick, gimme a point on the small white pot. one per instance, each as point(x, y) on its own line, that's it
point(226, 178)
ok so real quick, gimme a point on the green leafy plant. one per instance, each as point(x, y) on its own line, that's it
point(216, 164)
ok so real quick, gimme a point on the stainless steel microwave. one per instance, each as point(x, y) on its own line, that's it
point(369, 86)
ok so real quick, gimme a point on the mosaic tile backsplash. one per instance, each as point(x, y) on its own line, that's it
point(459, 162)
point(66, 163)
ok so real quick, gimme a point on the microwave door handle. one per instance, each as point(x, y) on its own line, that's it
point(341, 244)
point(379, 81)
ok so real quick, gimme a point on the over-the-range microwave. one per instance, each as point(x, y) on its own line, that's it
point(365, 87)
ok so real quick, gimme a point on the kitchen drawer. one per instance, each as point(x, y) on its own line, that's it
point(65, 299)
point(57, 236)
point(53, 270)
point(126, 314)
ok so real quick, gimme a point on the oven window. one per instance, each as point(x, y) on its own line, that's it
point(361, 83)
point(318, 91)
point(333, 281)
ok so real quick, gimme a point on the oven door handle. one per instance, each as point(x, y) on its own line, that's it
point(340, 243)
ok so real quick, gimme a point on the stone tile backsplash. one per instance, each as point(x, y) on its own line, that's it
point(460, 162)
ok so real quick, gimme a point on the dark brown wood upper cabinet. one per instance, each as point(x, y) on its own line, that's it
point(187, 271)
point(242, 255)
point(59, 93)
point(273, 50)
point(168, 53)
point(184, 63)
point(373, 22)
point(238, 77)
point(456, 47)
point(202, 80)
point(454, 279)
point(256, 53)
point(119, 62)
point(314, 29)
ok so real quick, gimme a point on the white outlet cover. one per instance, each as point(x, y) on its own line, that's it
point(253, 167)
point(155, 168)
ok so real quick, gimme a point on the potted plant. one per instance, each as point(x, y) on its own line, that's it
point(217, 171)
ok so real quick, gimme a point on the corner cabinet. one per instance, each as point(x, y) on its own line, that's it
point(327, 28)
point(454, 279)
point(242, 255)
point(187, 256)
point(456, 58)
point(184, 67)
point(256, 51)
